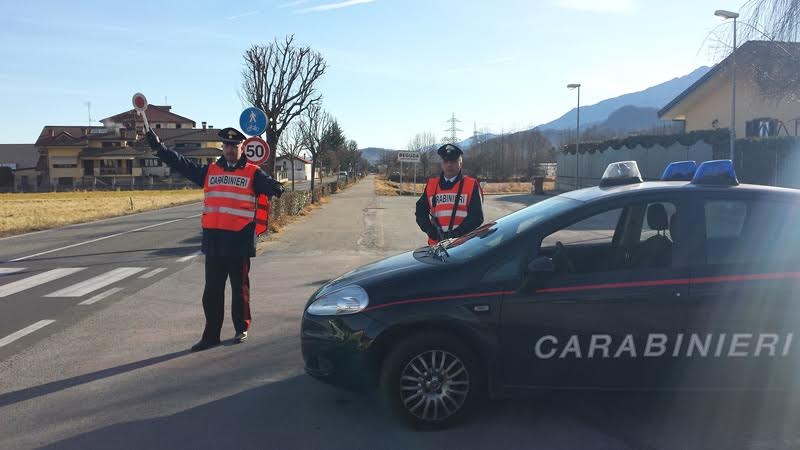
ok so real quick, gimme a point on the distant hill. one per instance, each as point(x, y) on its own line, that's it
point(620, 123)
point(472, 140)
point(653, 97)
point(374, 154)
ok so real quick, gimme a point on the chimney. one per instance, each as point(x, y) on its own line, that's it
point(210, 127)
point(204, 125)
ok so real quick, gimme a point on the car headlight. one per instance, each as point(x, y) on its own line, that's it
point(349, 300)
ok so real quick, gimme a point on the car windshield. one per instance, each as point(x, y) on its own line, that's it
point(493, 234)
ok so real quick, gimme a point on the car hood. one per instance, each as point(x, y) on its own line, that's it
point(401, 265)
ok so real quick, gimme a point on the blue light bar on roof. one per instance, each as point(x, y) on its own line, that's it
point(679, 171)
point(719, 172)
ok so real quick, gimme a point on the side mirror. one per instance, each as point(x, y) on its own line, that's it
point(541, 265)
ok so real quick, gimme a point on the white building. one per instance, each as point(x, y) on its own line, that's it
point(283, 168)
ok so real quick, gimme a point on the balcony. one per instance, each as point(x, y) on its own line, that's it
point(113, 171)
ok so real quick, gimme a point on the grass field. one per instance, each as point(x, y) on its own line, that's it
point(21, 213)
point(391, 188)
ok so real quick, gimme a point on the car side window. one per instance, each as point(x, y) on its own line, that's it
point(585, 246)
point(751, 231)
point(638, 236)
point(597, 229)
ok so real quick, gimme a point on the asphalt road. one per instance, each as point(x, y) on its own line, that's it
point(121, 376)
point(63, 275)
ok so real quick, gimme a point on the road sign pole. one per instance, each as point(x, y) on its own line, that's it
point(415, 179)
point(401, 176)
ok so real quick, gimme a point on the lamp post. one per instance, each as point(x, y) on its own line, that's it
point(731, 15)
point(577, 133)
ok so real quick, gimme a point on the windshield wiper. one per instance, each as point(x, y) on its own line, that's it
point(439, 250)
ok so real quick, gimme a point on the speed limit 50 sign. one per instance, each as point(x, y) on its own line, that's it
point(256, 150)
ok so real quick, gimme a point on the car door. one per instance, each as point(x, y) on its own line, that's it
point(609, 323)
point(745, 286)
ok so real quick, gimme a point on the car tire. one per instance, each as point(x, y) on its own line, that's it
point(431, 380)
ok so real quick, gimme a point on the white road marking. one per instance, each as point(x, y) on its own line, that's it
point(98, 282)
point(24, 332)
point(102, 238)
point(100, 296)
point(36, 280)
point(7, 270)
point(153, 272)
point(193, 255)
point(75, 225)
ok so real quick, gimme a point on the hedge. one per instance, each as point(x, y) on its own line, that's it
point(713, 137)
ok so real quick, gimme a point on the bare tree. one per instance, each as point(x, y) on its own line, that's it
point(772, 19)
point(280, 78)
point(425, 143)
point(290, 145)
point(314, 126)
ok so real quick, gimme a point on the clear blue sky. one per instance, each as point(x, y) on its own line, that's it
point(396, 67)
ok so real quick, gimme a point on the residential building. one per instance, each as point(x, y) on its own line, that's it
point(116, 154)
point(22, 159)
point(766, 93)
point(301, 167)
point(157, 117)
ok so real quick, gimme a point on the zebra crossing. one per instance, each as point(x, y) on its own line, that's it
point(79, 288)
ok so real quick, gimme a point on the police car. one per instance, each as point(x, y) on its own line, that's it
point(686, 283)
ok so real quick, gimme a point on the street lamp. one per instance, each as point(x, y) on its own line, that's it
point(731, 15)
point(577, 132)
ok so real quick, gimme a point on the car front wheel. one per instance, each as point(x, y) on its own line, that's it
point(431, 380)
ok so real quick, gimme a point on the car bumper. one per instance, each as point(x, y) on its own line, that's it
point(336, 350)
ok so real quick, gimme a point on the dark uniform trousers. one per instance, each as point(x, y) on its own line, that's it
point(218, 270)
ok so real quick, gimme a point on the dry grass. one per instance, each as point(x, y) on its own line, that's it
point(391, 188)
point(21, 213)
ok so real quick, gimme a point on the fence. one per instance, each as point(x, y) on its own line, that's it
point(768, 161)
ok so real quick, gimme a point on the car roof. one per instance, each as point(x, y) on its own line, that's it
point(597, 193)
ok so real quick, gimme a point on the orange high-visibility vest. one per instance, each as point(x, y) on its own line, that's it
point(448, 207)
point(230, 201)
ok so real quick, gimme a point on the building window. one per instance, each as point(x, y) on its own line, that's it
point(177, 125)
point(64, 166)
point(151, 162)
point(158, 125)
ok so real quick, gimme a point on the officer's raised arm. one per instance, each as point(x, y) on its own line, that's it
point(265, 184)
point(189, 169)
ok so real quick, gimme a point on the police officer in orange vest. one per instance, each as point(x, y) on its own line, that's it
point(235, 211)
point(451, 205)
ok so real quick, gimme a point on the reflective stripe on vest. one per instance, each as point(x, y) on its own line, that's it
point(442, 201)
point(242, 197)
point(230, 203)
point(226, 210)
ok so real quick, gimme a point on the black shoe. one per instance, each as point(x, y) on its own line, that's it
point(204, 345)
point(240, 337)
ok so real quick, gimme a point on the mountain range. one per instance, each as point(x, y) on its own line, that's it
point(628, 113)
point(653, 97)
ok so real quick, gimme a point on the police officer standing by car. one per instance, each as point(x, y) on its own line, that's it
point(451, 205)
point(233, 215)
